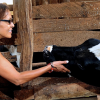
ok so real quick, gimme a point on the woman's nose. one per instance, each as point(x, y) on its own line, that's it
point(12, 24)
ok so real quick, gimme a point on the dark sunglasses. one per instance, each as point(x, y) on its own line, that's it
point(9, 21)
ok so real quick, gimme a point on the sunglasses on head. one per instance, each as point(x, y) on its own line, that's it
point(9, 21)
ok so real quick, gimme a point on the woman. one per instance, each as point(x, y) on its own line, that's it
point(7, 70)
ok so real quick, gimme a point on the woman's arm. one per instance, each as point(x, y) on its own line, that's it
point(8, 71)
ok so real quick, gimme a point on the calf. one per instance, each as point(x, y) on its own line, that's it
point(84, 59)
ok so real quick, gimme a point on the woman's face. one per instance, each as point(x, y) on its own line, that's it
point(6, 27)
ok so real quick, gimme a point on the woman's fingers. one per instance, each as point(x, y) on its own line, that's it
point(59, 66)
point(66, 70)
point(64, 62)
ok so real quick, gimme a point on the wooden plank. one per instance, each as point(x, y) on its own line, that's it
point(39, 64)
point(44, 2)
point(18, 39)
point(55, 25)
point(24, 94)
point(66, 1)
point(53, 1)
point(15, 11)
point(19, 48)
point(71, 24)
point(33, 2)
point(67, 38)
point(83, 98)
point(83, 0)
point(39, 2)
point(50, 88)
point(26, 33)
point(67, 9)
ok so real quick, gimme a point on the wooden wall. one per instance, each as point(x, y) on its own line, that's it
point(67, 23)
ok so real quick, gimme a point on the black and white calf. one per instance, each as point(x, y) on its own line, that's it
point(84, 59)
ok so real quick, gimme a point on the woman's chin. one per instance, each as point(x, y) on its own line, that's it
point(7, 36)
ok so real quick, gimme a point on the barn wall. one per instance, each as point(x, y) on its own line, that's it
point(65, 20)
point(67, 23)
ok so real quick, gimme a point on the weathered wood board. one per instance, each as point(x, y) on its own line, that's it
point(48, 88)
point(45, 2)
point(67, 38)
point(70, 24)
point(15, 11)
point(26, 33)
point(66, 10)
point(24, 94)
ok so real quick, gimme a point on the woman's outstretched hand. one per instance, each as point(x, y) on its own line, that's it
point(58, 66)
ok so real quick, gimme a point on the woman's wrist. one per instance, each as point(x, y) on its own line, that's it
point(52, 67)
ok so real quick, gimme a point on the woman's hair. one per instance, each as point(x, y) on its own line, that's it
point(3, 9)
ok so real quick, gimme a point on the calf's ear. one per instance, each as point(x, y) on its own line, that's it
point(49, 48)
point(48, 56)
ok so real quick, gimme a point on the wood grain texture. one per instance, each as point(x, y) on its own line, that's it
point(15, 11)
point(52, 88)
point(67, 9)
point(66, 38)
point(26, 33)
point(70, 24)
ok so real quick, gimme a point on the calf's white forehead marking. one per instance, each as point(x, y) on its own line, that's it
point(49, 48)
point(96, 51)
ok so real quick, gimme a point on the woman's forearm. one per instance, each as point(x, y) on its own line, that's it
point(29, 75)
